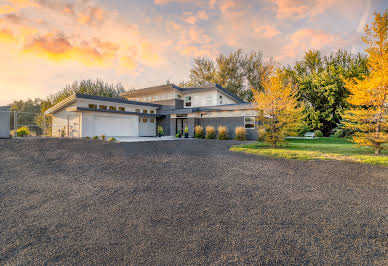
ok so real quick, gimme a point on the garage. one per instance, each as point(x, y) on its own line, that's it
point(117, 125)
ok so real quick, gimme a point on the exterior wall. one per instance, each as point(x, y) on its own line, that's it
point(234, 113)
point(170, 104)
point(231, 123)
point(67, 122)
point(4, 123)
point(172, 127)
point(206, 98)
point(113, 125)
point(147, 129)
point(164, 122)
point(225, 99)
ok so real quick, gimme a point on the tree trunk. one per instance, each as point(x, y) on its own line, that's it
point(377, 149)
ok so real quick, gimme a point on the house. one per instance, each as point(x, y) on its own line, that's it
point(142, 110)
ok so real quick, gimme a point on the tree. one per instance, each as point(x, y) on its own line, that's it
point(321, 88)
point(26, 112)
point(91, 87)
point(369, 95)
point(236, 71)
point(279, 109)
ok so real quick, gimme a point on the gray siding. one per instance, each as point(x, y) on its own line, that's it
point(165, 123)
point(231, 123)
point(4, 122)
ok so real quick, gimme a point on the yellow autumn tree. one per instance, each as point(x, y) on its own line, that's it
point(369, 96)
point(280, 112)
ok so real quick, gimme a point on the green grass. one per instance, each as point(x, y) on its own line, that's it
point(318, 149)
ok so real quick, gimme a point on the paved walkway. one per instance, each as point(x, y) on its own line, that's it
point(144, 139)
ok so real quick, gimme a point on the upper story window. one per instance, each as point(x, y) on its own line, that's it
point(122, 109)
point(152, 111)
point(249, 122)
point(188, 101)
point(145, 111)
point(137, 110)
point(221, 99)
point(93, 106)
point(103, 107)
point(112, 108)
point(179, 96)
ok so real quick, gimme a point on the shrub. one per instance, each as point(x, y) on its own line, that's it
point(241, 133)
point(160, 131)
point(95, 137)
point(198, 132)
point(261, 133)
point(111, 139)
point(23, 132)
point(178, 135)
point(222, 133)
point(87, 137)
point(186, 130)
point(210, 132)
point(318, 133)
point(339, 133)
point(103, 137)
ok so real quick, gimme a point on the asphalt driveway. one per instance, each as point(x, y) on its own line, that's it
point(185, 202)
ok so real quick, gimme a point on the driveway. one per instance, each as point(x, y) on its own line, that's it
point(185, 202)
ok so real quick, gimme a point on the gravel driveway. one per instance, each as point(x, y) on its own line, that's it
point(185, 202)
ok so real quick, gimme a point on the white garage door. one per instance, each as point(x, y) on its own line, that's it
point(110, 125)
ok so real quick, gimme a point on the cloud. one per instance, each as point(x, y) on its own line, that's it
point(298, 9)
point(306, 39)
point(266, 31)
point(193, 19)
point(165, 2)
point(364, 17)
point(60, 48)
point(6, 36)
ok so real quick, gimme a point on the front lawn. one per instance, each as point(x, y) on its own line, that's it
point(318, 149)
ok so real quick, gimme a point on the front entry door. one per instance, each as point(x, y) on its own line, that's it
point(181, 123)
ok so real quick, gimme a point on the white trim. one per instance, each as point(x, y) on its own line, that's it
point(61, 104)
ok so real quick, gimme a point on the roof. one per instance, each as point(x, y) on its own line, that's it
point(5, 108)
point(154, 89)
point(73, 97)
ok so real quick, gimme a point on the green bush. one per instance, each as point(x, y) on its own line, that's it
point(318, 133)
point(178, 135)
point(103, 137)
point(95, 137)
point(111, 139)
point(241, 133)
point(23, 132)
point(87, 137)
point(160, 131)
point(186, 130)
point(222, 133)
point(210, 132)
point(339, 133)
point(198, 132)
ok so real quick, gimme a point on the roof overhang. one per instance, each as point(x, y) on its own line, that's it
point(148, 91)
point(61, 104)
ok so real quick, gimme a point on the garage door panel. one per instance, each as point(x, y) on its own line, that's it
point(97, 125)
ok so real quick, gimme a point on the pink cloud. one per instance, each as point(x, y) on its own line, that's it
point(298, 9)
point(306, 39)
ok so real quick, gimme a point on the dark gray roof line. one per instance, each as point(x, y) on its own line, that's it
point(115, 100)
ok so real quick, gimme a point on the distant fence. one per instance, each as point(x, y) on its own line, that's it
point(15, 124)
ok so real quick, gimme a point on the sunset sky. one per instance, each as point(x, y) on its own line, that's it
point(46, 44)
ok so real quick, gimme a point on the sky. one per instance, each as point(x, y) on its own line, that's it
point(47, 44)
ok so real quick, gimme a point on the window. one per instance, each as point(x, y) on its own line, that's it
point(103, 107)
point(93, 106)
point(137, 110)
point(179, 96)
point(152, 120)
point(152, 111)
point(145, 111)
point(187, 101)
point(249, 122)
point(144, 120)
point(220, 99)
point(112, 108)
point(122, 109)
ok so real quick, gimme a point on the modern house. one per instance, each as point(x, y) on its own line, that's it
point(142, 110)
